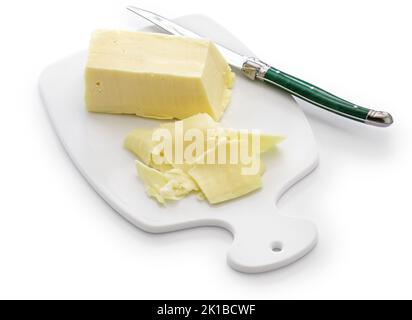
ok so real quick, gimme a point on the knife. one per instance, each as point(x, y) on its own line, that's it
point(253, 68)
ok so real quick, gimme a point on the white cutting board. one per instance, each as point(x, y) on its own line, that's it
point(263, 238)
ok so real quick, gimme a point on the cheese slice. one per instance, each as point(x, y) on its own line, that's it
point(173, 184)
point(223, 182)
point(214, 181)
point(141, 143)
point(155, 75)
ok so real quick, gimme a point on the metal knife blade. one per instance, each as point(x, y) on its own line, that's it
point(235, 59)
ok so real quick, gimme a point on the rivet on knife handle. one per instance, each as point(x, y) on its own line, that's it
point(255, 69)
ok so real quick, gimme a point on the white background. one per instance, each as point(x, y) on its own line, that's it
point(58, 239)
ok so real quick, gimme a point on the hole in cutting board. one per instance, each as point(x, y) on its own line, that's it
point(277, 247)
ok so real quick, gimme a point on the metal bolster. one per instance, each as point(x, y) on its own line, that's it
point(254, 68)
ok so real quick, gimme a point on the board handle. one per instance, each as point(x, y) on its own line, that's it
point(270, 241)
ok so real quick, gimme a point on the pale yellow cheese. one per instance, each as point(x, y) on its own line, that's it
point(173, 184)
point(213, 181)
point(223, 182)
point(140, 141)
point(155, 75)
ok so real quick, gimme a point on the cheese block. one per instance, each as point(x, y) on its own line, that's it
point(155, 75)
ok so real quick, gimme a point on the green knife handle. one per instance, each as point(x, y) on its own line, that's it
point(257, 69)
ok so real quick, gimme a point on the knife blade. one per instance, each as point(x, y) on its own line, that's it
point(253, 68)
point(235, 59)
